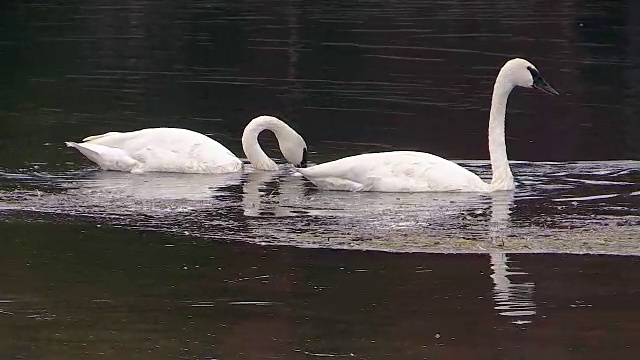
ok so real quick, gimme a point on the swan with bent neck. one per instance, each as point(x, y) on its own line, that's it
point(410, 171)
point(185, 151)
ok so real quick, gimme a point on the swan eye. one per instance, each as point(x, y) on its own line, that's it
point(540, 83)
point(534, 73)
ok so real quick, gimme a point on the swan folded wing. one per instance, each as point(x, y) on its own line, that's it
point(191, 158)
point(336, 183)
point(398, 171)
point(95, 137)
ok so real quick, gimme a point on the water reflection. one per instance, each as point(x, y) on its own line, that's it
point(151, 186)
point(512, 298)
point(271, 194)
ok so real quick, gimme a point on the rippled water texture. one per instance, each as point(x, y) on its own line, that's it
point(558, 207)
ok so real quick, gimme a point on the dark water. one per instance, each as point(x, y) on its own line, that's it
point(110, 265)
point(87, 292)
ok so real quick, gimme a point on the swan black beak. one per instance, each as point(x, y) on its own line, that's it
point(541, 84)
point(303, 163)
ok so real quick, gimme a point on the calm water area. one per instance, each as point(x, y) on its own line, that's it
point(262, 265)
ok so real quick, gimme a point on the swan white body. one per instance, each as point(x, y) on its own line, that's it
point(395, 171)
point(409, 171)
point(186, 151)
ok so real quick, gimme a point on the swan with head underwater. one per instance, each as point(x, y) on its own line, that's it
point(185, 151)
point(410, 171)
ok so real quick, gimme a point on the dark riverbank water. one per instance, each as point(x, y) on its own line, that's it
point(78, 291)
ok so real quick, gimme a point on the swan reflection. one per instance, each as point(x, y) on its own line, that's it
point(512, 298)
point(270, 194)
point(154, 186)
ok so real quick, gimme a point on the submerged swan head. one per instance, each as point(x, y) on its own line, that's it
point(520, 72)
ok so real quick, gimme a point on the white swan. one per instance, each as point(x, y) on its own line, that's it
point(186, 151)
point(410, 171)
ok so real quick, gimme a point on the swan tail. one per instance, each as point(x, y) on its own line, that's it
point(106, 157)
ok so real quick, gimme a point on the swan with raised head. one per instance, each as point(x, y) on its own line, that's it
point(186, 151)
point(410, 171)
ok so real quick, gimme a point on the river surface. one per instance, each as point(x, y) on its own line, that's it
point(262, 265)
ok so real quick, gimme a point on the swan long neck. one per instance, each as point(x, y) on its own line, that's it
point(502, 179)
point(250, 145)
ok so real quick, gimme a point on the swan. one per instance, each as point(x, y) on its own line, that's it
point(410, 171)
point(185, 151)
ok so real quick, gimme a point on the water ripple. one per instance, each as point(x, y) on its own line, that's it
point(550, 211)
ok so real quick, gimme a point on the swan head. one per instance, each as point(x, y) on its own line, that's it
point(294, 149)
point(520, 72)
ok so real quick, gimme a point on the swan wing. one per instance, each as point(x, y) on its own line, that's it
point(396, 171)
point(168, 150)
